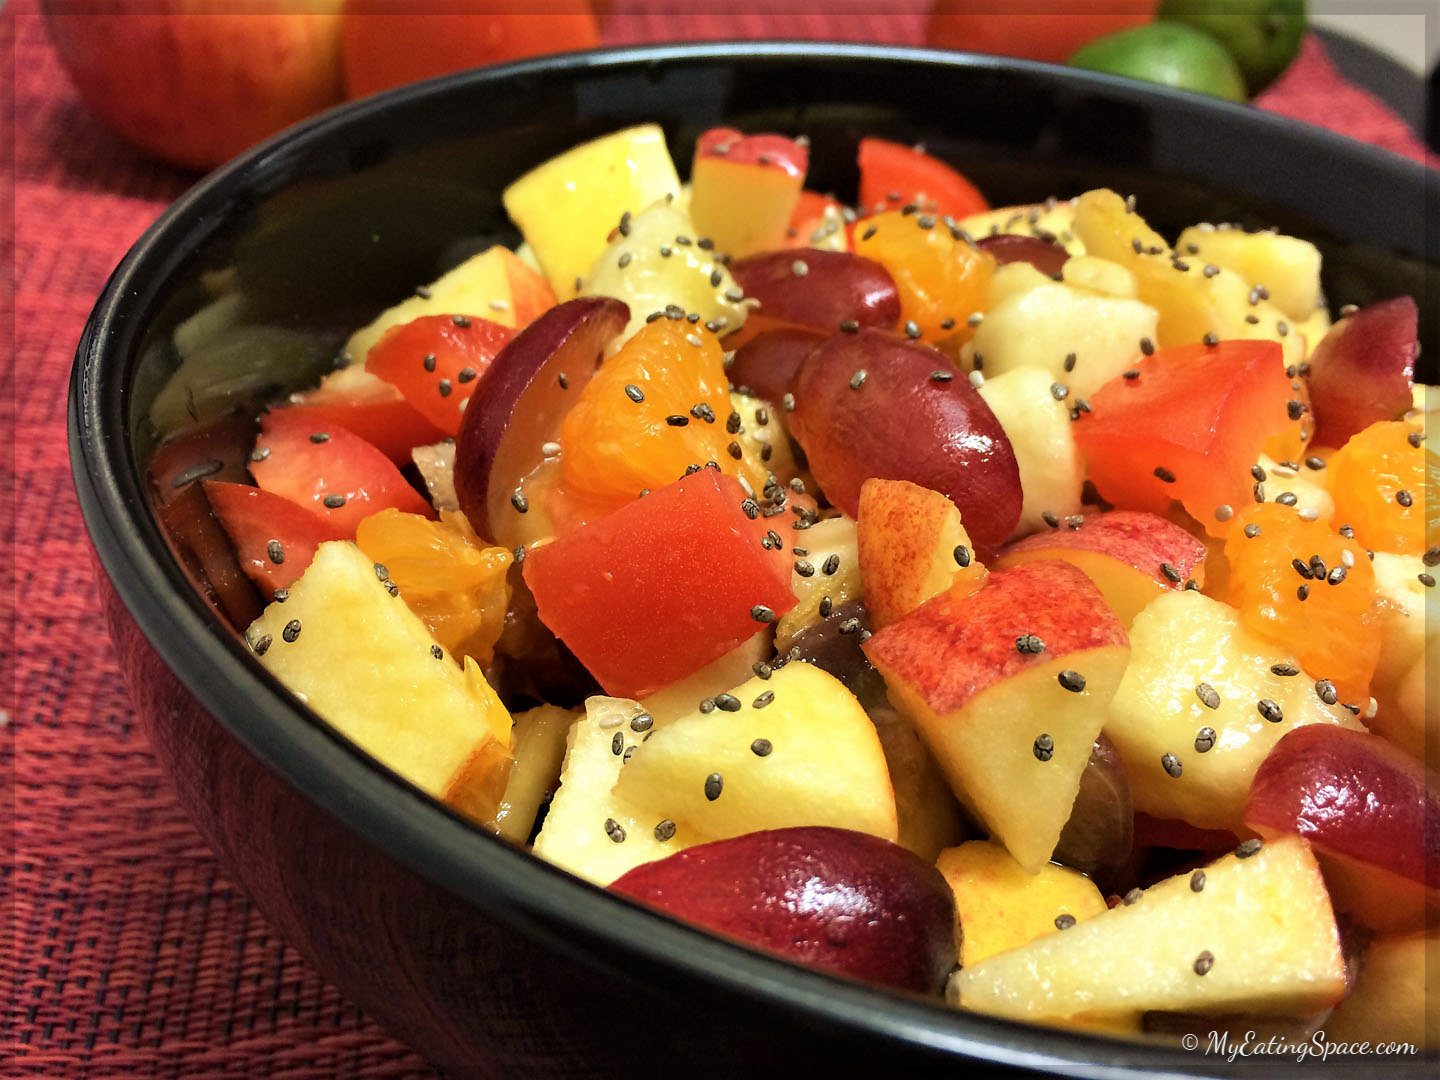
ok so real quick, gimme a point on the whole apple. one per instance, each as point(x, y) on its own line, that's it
point(195, 82)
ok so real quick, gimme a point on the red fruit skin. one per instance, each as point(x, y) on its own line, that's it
point(957, 645)
point(1045, 256)
point(466, 347)
point(305, 471)
point(1201, 412)
point(1362, 371)
point(900, 424)
point(771, 151)
point(519, 404)
point(834, 286)
point(253, 518)
point(770, 362)
point(656, 590)
point(1143, 541)
point(833, 899)
point(892, 169)
point(809, 215)
point(1352, 793)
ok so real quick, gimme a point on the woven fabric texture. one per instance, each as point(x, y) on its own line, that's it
point(129, 953)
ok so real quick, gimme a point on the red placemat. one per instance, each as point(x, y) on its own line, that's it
point(131, 953)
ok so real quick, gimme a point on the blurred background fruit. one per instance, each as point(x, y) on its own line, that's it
point(1171, 54)
point(1034, 29)
point(197, 81)
point(389, 43)
point(1262, 35)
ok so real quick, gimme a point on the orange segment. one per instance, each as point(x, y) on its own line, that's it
point(656, 408)
point(1379, 480)
point(1309, 589)
point(445, 574)
point(940, 277)
point(1290, 443)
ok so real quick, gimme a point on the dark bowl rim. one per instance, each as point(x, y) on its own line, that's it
point(504, 881)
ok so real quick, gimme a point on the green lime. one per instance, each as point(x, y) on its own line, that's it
point(1262, 35)
point(1169, 53)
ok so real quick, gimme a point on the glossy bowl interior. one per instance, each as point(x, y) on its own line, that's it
point(333, 220)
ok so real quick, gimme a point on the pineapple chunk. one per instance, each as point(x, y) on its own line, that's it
point(798, 751)
point(1040, 327)
point(1049, 221)
point(633, 269)
point(754, 437)
point(1287, 267)
point(592, 831)
point(1309, 493)
point(1012, 279)
point(540, 736)
point(1313, 327)
point(354, 653)
point(1182, 642)
point(1000, 906)
point(478, 286)
point(1409, 630)
point(827, 540)
point(1051, 471)
point(1100, 276)
point(1249, 934)
point(567, 206)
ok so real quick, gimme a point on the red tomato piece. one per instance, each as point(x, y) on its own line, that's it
point(1188, 427)
point(434, 361)
point(274, 538)
point(661, 587)
point(893, 175)
point(330, 471)
point(370, 407)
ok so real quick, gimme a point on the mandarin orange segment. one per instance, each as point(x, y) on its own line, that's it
point(1384, 481)
point(656, 408)
point(445, 574)
point(1307, 588)
point(940, 276)
point(1291, 442)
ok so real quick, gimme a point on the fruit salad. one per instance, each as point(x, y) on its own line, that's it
point(1011, 605)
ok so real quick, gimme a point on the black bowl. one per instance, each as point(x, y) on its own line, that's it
point(484, 958)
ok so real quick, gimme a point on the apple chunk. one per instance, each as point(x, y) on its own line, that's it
point(349, 648)
point(830, 898)
point(794, 749)
point(911, 546)
point(1187, 718)
point(1038, 426)
point(1132, 557)
point(1246, 934)
point(589, 830)
point(1009, 686)
point(1371, 812)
